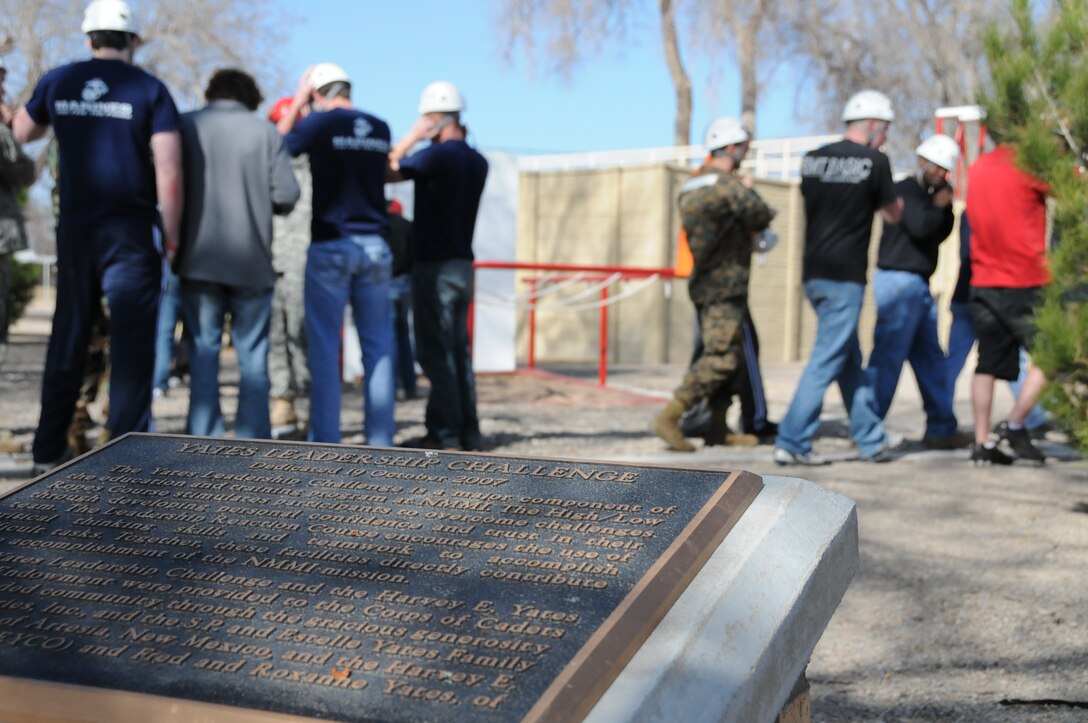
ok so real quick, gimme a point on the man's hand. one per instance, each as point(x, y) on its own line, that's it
point(423, 129)
point(304, 94)
point(892, 212)
point(170, 250)
point(7, 115)
point(942, 197)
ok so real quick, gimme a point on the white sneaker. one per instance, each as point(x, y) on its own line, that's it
point(893, 442)
point(803, 459)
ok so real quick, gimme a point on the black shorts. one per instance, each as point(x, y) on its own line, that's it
point(1004, 323)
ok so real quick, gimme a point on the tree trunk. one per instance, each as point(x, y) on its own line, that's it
point(749, 81)
point(680, 80)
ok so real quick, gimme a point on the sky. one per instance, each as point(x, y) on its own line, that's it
point(621, 98)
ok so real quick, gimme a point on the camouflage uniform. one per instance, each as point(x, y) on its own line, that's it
point(287, 370)
point(16, 174)
point(719, 214)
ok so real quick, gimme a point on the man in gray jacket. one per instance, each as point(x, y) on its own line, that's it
point(237, 175)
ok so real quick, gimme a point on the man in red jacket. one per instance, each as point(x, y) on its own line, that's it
point(1007, 211)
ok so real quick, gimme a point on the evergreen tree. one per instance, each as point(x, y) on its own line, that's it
point(1038, 102)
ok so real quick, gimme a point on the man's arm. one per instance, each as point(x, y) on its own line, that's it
point(16, 168)
point(892, 212)
point(285, 190)
point(928, 220)
point(754, 213)
point(25, 129)
point(166, 150)
point(304, 93)
point(424, 129)
point(892, 208)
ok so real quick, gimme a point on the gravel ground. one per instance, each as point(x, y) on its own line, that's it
point(972, 599)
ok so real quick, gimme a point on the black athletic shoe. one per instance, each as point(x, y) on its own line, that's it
point(981, 455)
point(1020, 442)
point(766, 434)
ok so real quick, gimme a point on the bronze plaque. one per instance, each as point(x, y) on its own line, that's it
point(342, 583)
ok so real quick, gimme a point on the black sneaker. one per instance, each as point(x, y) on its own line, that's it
point(982, 455)
point(765, 434)
point(1020, 442)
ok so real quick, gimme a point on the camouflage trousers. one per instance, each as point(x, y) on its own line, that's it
point(287, 371)
point(722, 328)
point(5, 296)
point(95, 385)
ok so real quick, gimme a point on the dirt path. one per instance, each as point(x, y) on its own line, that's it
point(973, 589)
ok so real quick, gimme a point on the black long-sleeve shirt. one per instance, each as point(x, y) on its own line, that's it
point(911, 244)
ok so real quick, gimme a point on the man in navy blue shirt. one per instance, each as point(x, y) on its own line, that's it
point(120, 166)
point(449, 177)
point(348, 259)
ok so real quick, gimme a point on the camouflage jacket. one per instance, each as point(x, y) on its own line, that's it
point(291, 233)
point(16, 174)
point(720, 214)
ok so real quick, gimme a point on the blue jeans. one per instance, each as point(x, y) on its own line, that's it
point(960, 340)
point(906, 330)
point(835, 357)
point(169, 313)
point(115, 258)
point(355, 269)
point(205, 306)
point(442, 294)
point(400, 297)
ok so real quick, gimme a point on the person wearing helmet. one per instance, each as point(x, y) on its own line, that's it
point(906, 325)
point(449, 180)
point(16, 174)
point(288, 375)
point(843, 185)
point(348, 259)
point(120, 178)
point(722, 216)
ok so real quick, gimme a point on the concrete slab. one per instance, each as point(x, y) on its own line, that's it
point(738, 638)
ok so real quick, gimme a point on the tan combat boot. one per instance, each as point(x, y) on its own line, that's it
point(282, 416)
point(283, 411)
point(667, 426)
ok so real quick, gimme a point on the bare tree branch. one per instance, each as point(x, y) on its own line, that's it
point(680, 80)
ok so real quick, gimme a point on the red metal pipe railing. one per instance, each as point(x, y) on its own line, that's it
point(624, 271)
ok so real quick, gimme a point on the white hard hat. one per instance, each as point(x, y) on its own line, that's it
point(108, 15)
point(868, 104)
point(324, 73)
point(724, 131)
point(441, 96)
point(940, 150)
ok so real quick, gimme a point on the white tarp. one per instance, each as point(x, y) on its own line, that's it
point(494, 326)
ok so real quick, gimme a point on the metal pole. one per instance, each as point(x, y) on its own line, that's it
point(602, 366)
point(532, 324)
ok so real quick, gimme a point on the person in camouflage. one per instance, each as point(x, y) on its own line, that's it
point(721, 215)
point(287, 370)
point(16, 175)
